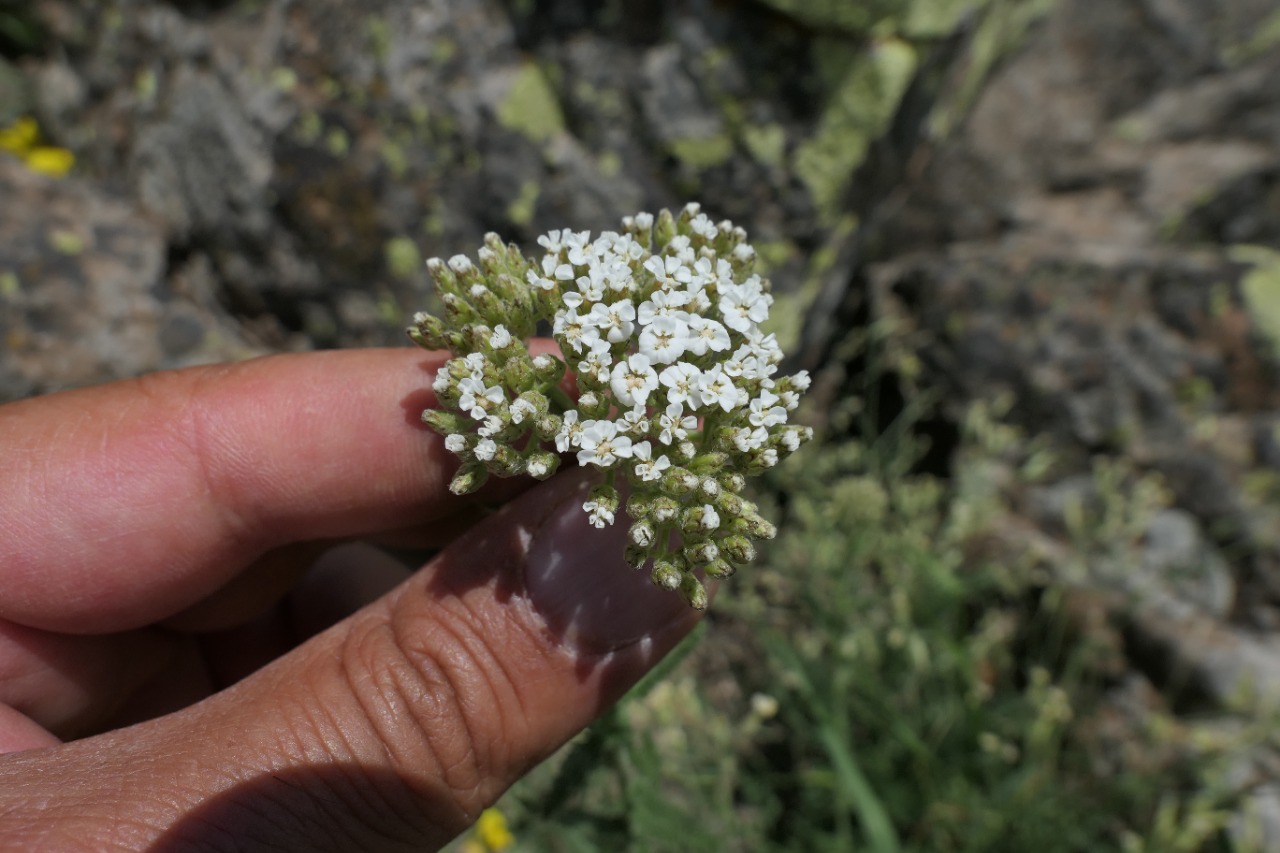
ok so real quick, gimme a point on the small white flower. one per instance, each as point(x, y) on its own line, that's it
point(664, 340)
point(674, 425)
point(570, 434)
point(648, 469)
point(455, 443)
point(706, 334)
point(801, 381)
point(710, 518)
point(475, 362)
point(632, 380)
point(746, 439)
point(744, 305)
point(681, 380)
point(598, 514)
point(601, 444)
point(492, 426)
point(790, 399)
point(764, 413)
point(597, 361)
point(576, 331)
point(615, 320)
point(485, 449)
point(536, 468)
point(460, 264)
point(715, 387)
point(551, 241)
point(500, 338)
point(768, 457)
point(476, 399)
point(442, 382)
point(521, 409)
point(663, 304)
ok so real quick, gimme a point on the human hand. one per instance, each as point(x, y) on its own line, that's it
point(158, 689)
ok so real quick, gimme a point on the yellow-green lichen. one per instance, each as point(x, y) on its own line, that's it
point(858, 112)
point(702, 152)
point(530, 107)
point(767, 143)
point(1261, 289)
point(66, 242)
point(402, 257)
point(521, 209)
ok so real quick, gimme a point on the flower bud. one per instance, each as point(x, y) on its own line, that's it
point(636, 556)
point(679, 481)
point(719, 568)
point(686, 451)
point(709, 463)
point(663, 509)
point(733, 481)
point(641, 534)
point(593, 405)
point(446, 281)
point(700, 553)
point(664, 229)
point(470, 477)
point(738, 548)
point(428, 332)
point(709, 488)
point(546, 426)
point(606, 496)
point(693, 592)
point(446, 422)
point(665, 575)
point(541, 464)
point(548, 369)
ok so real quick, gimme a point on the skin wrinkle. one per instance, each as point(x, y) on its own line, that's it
point(420, 759)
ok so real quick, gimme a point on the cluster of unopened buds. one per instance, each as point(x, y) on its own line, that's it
point(659, 328)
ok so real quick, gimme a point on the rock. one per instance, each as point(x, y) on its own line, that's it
point(82, 284)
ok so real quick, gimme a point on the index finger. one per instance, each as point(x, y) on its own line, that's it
point(127, 502)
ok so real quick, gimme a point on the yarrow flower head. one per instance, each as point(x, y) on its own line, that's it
point(665, 381)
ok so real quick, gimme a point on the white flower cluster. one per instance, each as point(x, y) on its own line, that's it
point(673, 380)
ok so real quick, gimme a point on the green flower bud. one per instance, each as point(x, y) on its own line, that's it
point(738, 548)
point(446, 281)
point(428, 332)
point(719, 568)
point(546, 427)
point(679, 481)
point(754, 526)
point(518, 372)
point(693, 592)
point(664, 229)
point(506, 462)
point(605, 495)
point(663, 509)
point(470, 477)
point(593, 405)
point(665, 575)
point(709, 489)
point(549, 369)
point(541, 464)
point(709, 463)
point(641, 534)
point(636, 556)
point(700, 553)
point(686, 451)
point(446, 423)
point(733, 481)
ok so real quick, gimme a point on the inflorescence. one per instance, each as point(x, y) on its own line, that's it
point(674, 381)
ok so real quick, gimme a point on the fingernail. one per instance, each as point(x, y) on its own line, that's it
point(580, 584)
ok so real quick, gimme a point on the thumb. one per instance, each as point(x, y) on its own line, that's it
point(392, 730)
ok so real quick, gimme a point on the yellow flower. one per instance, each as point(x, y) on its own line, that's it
point(493, 832)
point(19, 137)
point(22, 138)
point(51, 161)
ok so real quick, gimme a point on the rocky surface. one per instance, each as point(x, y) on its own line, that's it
point(1063, 203)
